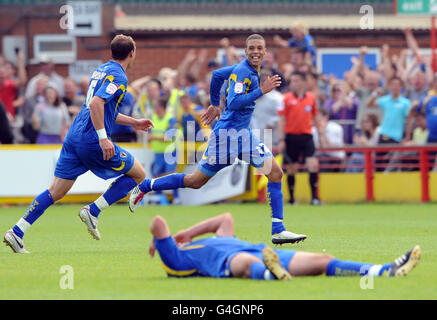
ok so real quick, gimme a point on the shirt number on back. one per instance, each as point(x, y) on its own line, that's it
point(90, 93)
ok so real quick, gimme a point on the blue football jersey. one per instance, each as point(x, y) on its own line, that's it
point(108, 82)
point(428, 107)
point(242, 89)
point(209, 256)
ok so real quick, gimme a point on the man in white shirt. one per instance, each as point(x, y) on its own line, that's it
point(265, 115)
point(47, 70)
point(330, 135)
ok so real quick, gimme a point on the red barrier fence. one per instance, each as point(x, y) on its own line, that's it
point(387, 158)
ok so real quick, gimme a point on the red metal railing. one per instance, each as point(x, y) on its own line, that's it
point(380, 158)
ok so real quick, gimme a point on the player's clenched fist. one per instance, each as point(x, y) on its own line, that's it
point(270, 83)
point(107, 148)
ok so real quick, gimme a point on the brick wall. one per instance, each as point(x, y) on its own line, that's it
point(31, 20)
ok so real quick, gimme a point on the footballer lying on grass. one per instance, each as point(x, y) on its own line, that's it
point(223, 255)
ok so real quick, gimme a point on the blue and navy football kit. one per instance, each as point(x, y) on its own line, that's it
point(428, 107)
point(209, 257)
point(81, 150)
point(232, 137)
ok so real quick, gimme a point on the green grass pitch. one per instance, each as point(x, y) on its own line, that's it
point(118, 266)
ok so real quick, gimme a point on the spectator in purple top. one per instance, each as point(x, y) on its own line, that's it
point(343, 105)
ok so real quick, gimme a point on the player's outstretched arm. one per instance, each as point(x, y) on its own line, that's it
point(138, 124)
point(238, 98)
point(222, 225)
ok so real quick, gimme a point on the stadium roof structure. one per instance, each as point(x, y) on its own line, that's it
point(207, 22)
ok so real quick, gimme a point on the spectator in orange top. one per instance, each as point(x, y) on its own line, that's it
point(295, 130)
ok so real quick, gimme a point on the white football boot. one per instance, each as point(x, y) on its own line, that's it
point(90, 221)
point(287, 237)
point(135, 198)
point(14, 242)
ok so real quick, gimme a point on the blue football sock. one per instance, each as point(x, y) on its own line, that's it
point(18, 231)
point(169, 182)
point(350, 268)
point(145, 185)
point(275, 197)
point(384, 269)
point(259, 271)
point(35, 210)
point(38, 206)
point(116, 191)
point(94, 210)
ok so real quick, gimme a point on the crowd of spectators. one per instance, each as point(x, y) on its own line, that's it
point(367, 107)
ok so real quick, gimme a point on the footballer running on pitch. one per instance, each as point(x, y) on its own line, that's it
point(232, 137)
point(87, 147)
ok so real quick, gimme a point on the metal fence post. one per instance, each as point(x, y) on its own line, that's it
point(424, 174)
point(368, 168)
